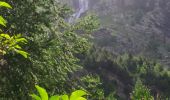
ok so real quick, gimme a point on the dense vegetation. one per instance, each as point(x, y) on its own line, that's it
point(121, 53)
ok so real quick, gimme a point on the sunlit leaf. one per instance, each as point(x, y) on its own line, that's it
point(42, 92)
point(35, 97)
point(18, 47)
point(56, 97)
point(77, 94)
point(5, 36)
point(23, 53)
point(81, 98)
point(64, 97)
point(2, 21)
point(21, 40)
point(4, 4)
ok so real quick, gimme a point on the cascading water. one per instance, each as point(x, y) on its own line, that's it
point(83, 7)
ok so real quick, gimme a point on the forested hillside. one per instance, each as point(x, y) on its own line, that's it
point(141, 26)
point(129, 29)
point(93, 49)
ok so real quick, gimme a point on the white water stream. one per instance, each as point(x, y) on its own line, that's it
point(82, 8)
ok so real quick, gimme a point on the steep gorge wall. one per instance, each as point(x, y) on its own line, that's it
point(139, 25)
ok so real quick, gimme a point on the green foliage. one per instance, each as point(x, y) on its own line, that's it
point(111, 96)
point(89, 23)
point(93, 85)
point(125, 69)
point(141, 92)
point(2, 21)
point(4, 4)
point(53, 44)
point(56, 47)
point(10, 43)
point(150, 72)
point(76, 95)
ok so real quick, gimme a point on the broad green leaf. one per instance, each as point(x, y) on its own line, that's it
point(18, 36)
point(18, 47)
point(21, 40)
point(55, 97)
point(5, 36)
point(4, 4)
point(42, 92)
point(64, 97)
point(35, 97)
point(81, 98)
point(2, 21)
point(23, 53)
point(75, 95)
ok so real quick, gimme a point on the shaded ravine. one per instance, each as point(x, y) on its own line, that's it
point(82, 8)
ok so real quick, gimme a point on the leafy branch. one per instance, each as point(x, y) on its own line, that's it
point(76, 95)
point(10, 43)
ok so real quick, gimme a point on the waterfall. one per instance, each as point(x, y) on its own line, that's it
point(83, 7)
